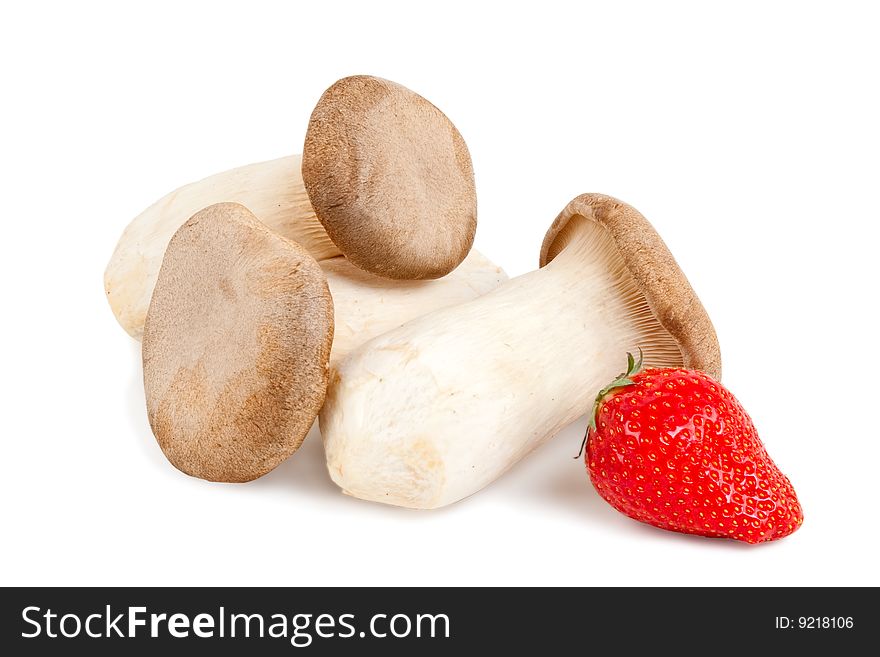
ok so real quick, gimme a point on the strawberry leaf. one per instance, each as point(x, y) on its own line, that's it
point(639, 364)
point(621, 380)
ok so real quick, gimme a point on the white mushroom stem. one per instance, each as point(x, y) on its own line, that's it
point(272, 190)
point(366, 305)
point(429, 413)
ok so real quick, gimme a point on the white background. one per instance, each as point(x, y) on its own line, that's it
point(748, 136)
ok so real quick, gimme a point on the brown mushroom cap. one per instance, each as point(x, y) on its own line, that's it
point(655, 271)
point(390, 178)
point(236, 346)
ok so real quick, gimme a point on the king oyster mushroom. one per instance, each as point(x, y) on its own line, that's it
point(236, 346)
point(433, 411)
point(390, 178)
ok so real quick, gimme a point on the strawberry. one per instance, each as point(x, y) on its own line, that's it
point(673, 448)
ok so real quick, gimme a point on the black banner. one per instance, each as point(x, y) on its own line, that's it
point(110, 621)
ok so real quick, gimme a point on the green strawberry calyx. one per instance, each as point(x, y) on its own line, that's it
point(622, 380)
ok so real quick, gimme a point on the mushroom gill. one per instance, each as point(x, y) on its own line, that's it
point(585, 250)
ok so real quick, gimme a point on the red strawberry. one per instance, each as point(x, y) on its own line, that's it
point(675, 449)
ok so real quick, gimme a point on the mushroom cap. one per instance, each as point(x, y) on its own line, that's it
point(236, 346)
point(390, 178)
point(666, 289)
